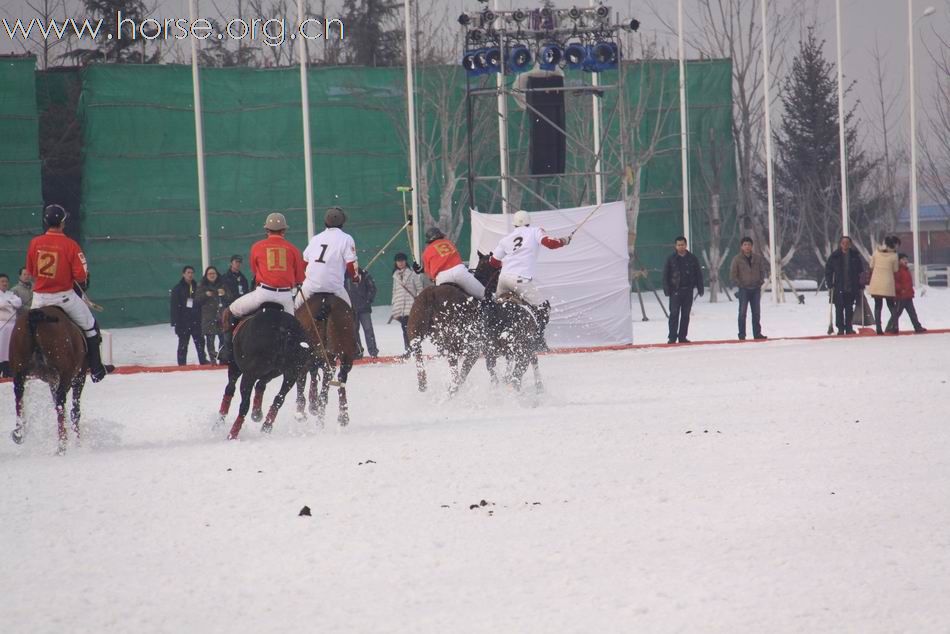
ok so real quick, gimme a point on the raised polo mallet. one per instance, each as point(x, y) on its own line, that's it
point(405, 189)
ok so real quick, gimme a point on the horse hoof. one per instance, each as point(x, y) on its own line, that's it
point(218, 421)
point(257, 416)
point(17, 437)
point(300, 415)
point(344, 420)
point(232, 436)
point(267, 428)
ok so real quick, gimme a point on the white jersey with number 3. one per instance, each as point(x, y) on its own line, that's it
point(327, 256)
point(519, 251)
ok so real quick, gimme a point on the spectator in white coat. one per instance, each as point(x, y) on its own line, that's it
point(9, 303)
point(406, 286)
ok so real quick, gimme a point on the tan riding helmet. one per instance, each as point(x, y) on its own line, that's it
point(335, 217)
point(521, 218)
point(275, 222)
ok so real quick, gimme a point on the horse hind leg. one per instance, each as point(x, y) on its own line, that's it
point(289, 380)
point(77, 386)
point(19, 385)
point(344, 416)
point(314, 395)
point(234, 374)
point(257, 410)
point(58, 392)
point(324, 395)
point(538, 384)
point(247, 385)
point(301, 382)
point(415, 347)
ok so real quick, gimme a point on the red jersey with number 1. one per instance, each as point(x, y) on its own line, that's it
point(276, 262)
point(55, 261)
point(440, 255)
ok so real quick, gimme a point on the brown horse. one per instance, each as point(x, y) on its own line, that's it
point(49, 346)
point(331, 331)
point(452, 320)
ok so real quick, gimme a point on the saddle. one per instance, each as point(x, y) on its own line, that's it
point(266, 307)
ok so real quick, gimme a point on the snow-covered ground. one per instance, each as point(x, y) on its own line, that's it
point(789, 486)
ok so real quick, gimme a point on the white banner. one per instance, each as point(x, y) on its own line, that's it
point(586, 281)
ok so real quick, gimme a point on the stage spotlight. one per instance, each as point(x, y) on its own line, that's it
point(603, 12)
point(487, 17)
point(474, 36)
point(551, 55)
point(464, 19)
point(519, 59)
point(574, 14)
point(492, 60)
point(603, 56)
point(574, 56)
point(633, 25)
point(519, 16)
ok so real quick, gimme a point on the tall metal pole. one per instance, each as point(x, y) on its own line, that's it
point(595, 108)
point(199, 147)
point(502, 130)
point(841, 129)
point(305, 113)
point(413, 161)
point(684, 131)
point(766, 94)
point(919, 276)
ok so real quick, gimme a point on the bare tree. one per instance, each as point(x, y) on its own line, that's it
point(49, 49)
point(934, 140)
point(712, 156)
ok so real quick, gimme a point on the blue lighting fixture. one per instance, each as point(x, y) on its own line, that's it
point(490, 59)
point(519, 59)
point(550, 57)
point(474, 63)
point(575, 55)
point(603, 56)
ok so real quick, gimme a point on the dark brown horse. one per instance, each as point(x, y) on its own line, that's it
point(47, 344)
point(331, 332)
point(268, 344)
point(512, 330)
point(452, 320)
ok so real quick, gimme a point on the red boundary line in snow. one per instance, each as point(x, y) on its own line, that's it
point(863, 333)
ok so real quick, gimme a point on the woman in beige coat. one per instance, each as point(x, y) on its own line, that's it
point(883, 266)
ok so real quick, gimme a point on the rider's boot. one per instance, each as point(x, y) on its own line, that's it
point(97, 371)
point(228, 322)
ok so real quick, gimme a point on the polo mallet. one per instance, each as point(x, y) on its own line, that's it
point(584, 221)
point(85, 298)
point(386, 246)
point(404, 189)
point(831, 310)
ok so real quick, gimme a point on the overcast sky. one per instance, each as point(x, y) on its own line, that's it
point(863, 23)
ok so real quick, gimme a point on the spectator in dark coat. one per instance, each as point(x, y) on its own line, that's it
point(186, 316)
point(681, 275)
point(843, 276)
point(24, 290)
point(362, 295)
point(748, 272)
point(212, 297)
point(234, 281)
point(904, 287)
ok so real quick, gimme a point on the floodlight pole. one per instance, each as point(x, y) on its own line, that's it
point(919, 276)
point(595, 108)
point(305, 113)
point(413, 161)
point(841, 131)
point(502, 128)
point(199, 147)
point(766, 95)
point(684, 132)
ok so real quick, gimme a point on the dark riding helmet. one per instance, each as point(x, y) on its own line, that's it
point(433, 234)
point(335, 217)
point(401, 257)
point(54, 215)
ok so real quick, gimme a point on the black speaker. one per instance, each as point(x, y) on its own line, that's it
point(548, 146)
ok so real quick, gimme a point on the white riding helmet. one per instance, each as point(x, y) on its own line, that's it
point(521, 218)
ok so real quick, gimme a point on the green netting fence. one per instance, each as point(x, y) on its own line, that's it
point(139, 190)
point(20, 180)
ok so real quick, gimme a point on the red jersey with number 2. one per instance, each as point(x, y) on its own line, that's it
point(440, 255)
point(55, 261)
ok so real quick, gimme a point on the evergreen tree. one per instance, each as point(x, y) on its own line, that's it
point(807, 162)
point(374, 32)
point(131, 47)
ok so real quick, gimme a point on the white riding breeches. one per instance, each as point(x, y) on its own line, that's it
point(460, 275)
point(72, 303)
point(523, 287)
point(309, 289)
point(249, 302)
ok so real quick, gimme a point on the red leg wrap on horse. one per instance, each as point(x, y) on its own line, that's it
point(225, 404)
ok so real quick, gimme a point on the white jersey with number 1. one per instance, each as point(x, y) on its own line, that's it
point(327, 256)
point(519, 251)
